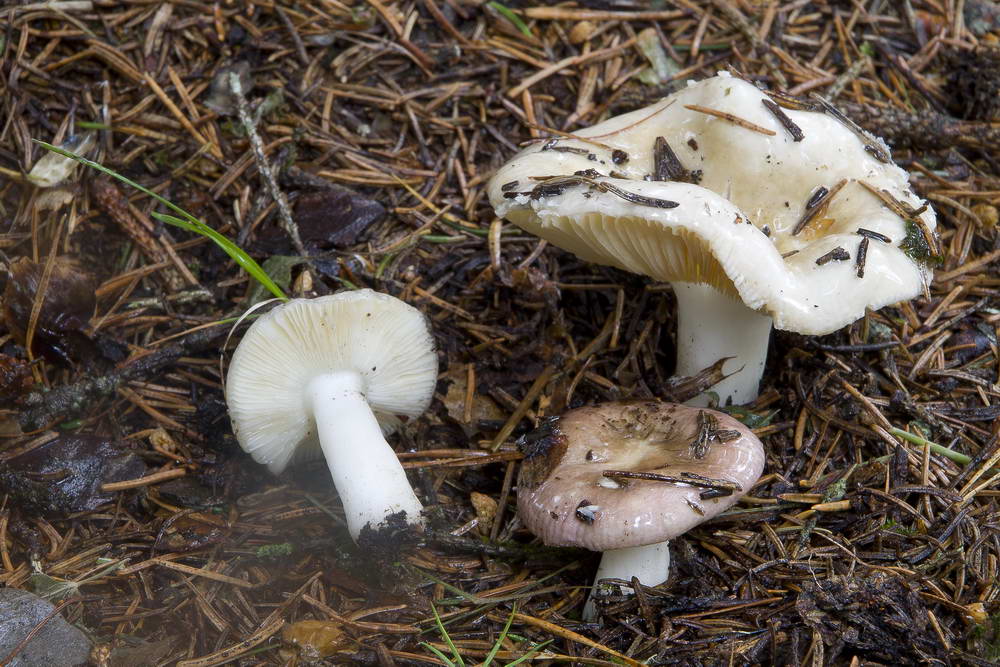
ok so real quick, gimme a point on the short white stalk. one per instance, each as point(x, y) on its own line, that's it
point(712, 325)
point(369, 478)
point(650, 563)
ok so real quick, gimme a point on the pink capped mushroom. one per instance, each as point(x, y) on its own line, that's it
point(625, 477)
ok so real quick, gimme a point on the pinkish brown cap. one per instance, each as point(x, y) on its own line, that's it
point(632, 473)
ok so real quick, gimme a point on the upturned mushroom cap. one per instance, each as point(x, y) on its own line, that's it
point(383, 339)
point(566, 497)
point(599, 202)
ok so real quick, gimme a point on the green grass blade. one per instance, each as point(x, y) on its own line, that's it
point(447, 637)
point(503, 635)
point(441, 656)
point(110, 172)
point(957, 457)
point(469, 230)
point(239, 256)
point(187, 221)
point(529, 654)
point(512, 17)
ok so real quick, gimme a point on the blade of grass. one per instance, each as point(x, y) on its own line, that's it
point(503, 635)
point(441, 656)
point(440, 238)
point(463, 228)
point(245, 261)
point(527, 656)
point(187, 221)
point(957, 457)
point(512, 17)
point(447, 637)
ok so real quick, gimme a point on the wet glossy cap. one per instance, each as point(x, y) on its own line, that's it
point(719, 184)
point(682, 465)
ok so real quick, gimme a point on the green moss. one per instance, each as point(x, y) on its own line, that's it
point(915, 246)
point(894, 527)
point(751, 419)
point(988, 634)
point(275, 551)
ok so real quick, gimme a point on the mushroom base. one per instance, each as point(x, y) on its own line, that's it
point(710, 326)
point(369, 478)
point(650, 563)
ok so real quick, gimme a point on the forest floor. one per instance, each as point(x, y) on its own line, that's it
point(126, 500)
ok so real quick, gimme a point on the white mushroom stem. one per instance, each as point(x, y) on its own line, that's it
point(650, 563)
point(368, 476)
point(711, 325)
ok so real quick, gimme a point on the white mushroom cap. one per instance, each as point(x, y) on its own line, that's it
point(382, 339)
point(747, 176)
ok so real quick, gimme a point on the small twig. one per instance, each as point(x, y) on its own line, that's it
point(875, 236)
point(838, 254)
point(862, 256)
point(872, 145)
point(815, 207)
point(419, 57)
point(533, 392)
point(865, 347)
point(250, 125)
point(850, 74)
point(758, 44)
point(560, 631)
point(567, 135)
point(155, 478)
point(788, 123)
point(689, 478)
point(706, 424)
point(444, 22)
point(235, 650)
point(725, 115)
point(300, 48)
point(43, 408)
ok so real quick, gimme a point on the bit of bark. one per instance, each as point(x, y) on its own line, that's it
point(929, 129)
point(68, 401)
point(110, 199)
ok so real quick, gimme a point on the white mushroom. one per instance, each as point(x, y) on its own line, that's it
point(756, 214)
point(327, 377)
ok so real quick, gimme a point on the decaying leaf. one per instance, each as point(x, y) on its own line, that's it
point(314, 640)
point(220, 97)
point(65, 474)
point(483, 407)
point(486, 510)
point(129, 651)
point(67, 306)
point(328, 217)
point(279, 268)
point(53, 168)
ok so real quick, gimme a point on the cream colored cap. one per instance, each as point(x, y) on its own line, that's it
point(712, 230)
point(385, 340)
